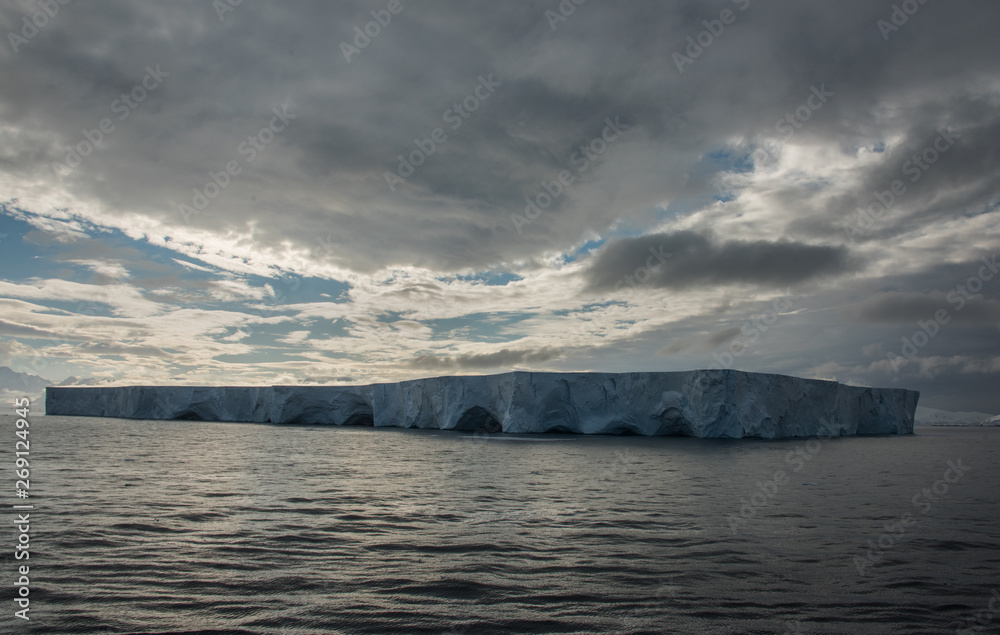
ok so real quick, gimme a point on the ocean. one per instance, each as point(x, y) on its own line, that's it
point(187, 526)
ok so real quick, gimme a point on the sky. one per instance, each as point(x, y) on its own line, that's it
point(225, 192)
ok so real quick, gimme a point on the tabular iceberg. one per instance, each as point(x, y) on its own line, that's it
point(701, 403)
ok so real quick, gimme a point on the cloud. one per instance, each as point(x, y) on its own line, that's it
point(699, 344)
point(454, 212)
point(504, 358)
point(106, 348)
point(295, 337)
point(13, 329)
point(933, 366)
point(107, 271)
point(685, 259)
point(908, 308)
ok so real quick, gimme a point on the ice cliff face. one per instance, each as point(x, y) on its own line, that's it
point(705, 403)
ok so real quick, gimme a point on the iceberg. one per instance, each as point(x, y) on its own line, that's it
point(700, 403)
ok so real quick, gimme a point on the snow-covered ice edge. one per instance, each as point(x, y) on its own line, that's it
point(699, 403)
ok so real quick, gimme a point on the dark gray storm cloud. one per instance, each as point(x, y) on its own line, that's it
point(685, 259)
point(942, 166)
point(324, 175)
point(910, 307)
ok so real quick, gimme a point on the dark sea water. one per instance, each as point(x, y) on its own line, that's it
point(171, 527)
